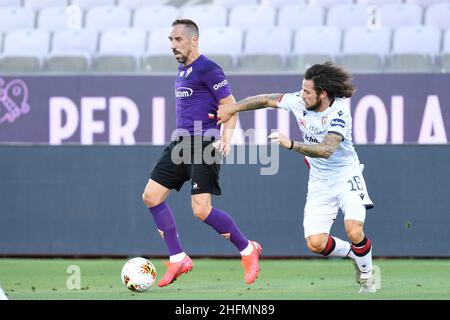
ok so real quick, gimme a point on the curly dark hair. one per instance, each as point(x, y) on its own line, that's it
point(332, 79)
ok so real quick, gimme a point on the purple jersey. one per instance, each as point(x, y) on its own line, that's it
point(198, 88)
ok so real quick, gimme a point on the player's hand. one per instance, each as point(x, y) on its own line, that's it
point(222, 147)
point(281, 139)
point(225, 112)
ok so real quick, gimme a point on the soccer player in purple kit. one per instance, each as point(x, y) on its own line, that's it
point(200, 87)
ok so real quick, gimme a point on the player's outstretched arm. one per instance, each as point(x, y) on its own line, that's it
point(228, 127)
point(225, 112)
point(324, 149)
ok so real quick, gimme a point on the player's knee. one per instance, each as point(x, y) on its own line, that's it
point(150, 200)
point(200, 211)
point(316, 244)
point(355, 234)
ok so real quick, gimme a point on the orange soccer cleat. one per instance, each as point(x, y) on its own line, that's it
point(250, 263)
point(174, 270)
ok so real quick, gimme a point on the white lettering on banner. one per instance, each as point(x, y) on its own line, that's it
point(119, 132)
point(283, 123)
point(88, 125)
point(397, 119)
point(370, 102)
point(59, 107)
point(261, 126)
point(432, 129)
point(159, 121)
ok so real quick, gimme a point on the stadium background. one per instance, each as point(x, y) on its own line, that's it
point(73, 71)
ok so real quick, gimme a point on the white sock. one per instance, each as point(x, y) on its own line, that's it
point(365, 264)
point(177, 257)
point(363, 257)
point(342, 249)
point(247, 250)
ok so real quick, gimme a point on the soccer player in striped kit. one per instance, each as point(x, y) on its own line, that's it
point(199, 87)
point(335, 179)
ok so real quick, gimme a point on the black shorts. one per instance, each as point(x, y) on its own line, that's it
point(194, 160)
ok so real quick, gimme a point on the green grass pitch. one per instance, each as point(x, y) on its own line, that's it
point(222, 279)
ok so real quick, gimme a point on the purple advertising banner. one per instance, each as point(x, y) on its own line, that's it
point(126, 110)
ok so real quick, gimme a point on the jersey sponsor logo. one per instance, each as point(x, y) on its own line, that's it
point(310, 139)
point(181, 73)
point(337, 123)
point(219, 85)
point(340, 113)
point(315, 130)
point(183, 92)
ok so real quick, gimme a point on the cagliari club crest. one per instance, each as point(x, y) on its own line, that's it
point(13, 100)
point(324, 121)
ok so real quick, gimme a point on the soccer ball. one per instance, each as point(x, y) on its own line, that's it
point(138, 274)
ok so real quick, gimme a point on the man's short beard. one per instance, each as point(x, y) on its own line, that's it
point(316, 106)
point(182, 59)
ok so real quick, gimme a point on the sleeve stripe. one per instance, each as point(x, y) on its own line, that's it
point(280, 98)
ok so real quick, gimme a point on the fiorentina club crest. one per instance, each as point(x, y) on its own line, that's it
point(226, 235)
point(13, 100)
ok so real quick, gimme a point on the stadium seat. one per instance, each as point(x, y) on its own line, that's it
point(42, 4)
point(229, 4)
point(136, 4)
point(445, 56)
point(206, 16)
point(414, 49)
point(329, 3)
point(364, 49)
point(120, 50)
point(71, 51)
point(154, 17)
point(303, 15)
point(378, 2)
point(312, 40)
point(107, 17)
point(364, 40)
point(15, 18)
point(223, 45)
point(438, 15)
point(446, 41)
point(344, 16)
point(24, 50)
point(88, 4)
point(309, 46)
point(400, 15)
point(265, 49)
point(423, 3)
point(158, 57)
point(282, 3)
point(249, 16)
point(10, 3)
point(53, 19)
